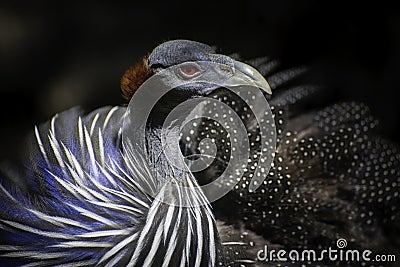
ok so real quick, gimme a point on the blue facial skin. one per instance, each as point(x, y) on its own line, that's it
point(176, 52)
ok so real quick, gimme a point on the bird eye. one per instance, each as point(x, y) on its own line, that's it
point(189, 69)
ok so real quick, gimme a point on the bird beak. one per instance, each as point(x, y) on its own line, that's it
point(247, 75)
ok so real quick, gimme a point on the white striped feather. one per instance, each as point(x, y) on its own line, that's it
point(173, 239)
point(83, 244)
point(211, 244)
point(89, 147)
point(101, 148)
point(41, 147)
point(94, 216)
point(80, 136)
point(154, 246)
point(123, 244)
point(199, 235)
point(56, 150)
point(95, 234)
point(108, 172)
point(118, 257)
point(189, 237)
point(119, 136)
point(59, 221)
point(143, 234)
point(134, 174)
point(118, 207)
point(52, 123)
point(78, 192)
point(35, 255)
point(8, 194)
point(168, 221)
point(93, 124)
point(33, 230)
point(109, 114)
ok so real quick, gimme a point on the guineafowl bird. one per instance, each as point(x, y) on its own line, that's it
point(120, 186)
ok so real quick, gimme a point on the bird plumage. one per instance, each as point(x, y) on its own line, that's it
point(88, 198)
point(90, 206)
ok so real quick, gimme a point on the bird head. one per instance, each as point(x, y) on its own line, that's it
point(192, 61)
point(191, 70)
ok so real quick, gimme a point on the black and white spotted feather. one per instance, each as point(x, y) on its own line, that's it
point(82, 200)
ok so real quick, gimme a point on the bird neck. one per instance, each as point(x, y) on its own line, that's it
point(163, 151)
point(179, 228)
point(166, 104)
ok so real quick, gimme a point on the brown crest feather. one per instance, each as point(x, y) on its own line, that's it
point(134, 77)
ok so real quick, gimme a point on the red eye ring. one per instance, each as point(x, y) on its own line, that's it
point(188, 70)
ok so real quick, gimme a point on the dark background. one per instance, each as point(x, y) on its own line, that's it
point(58, 54)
